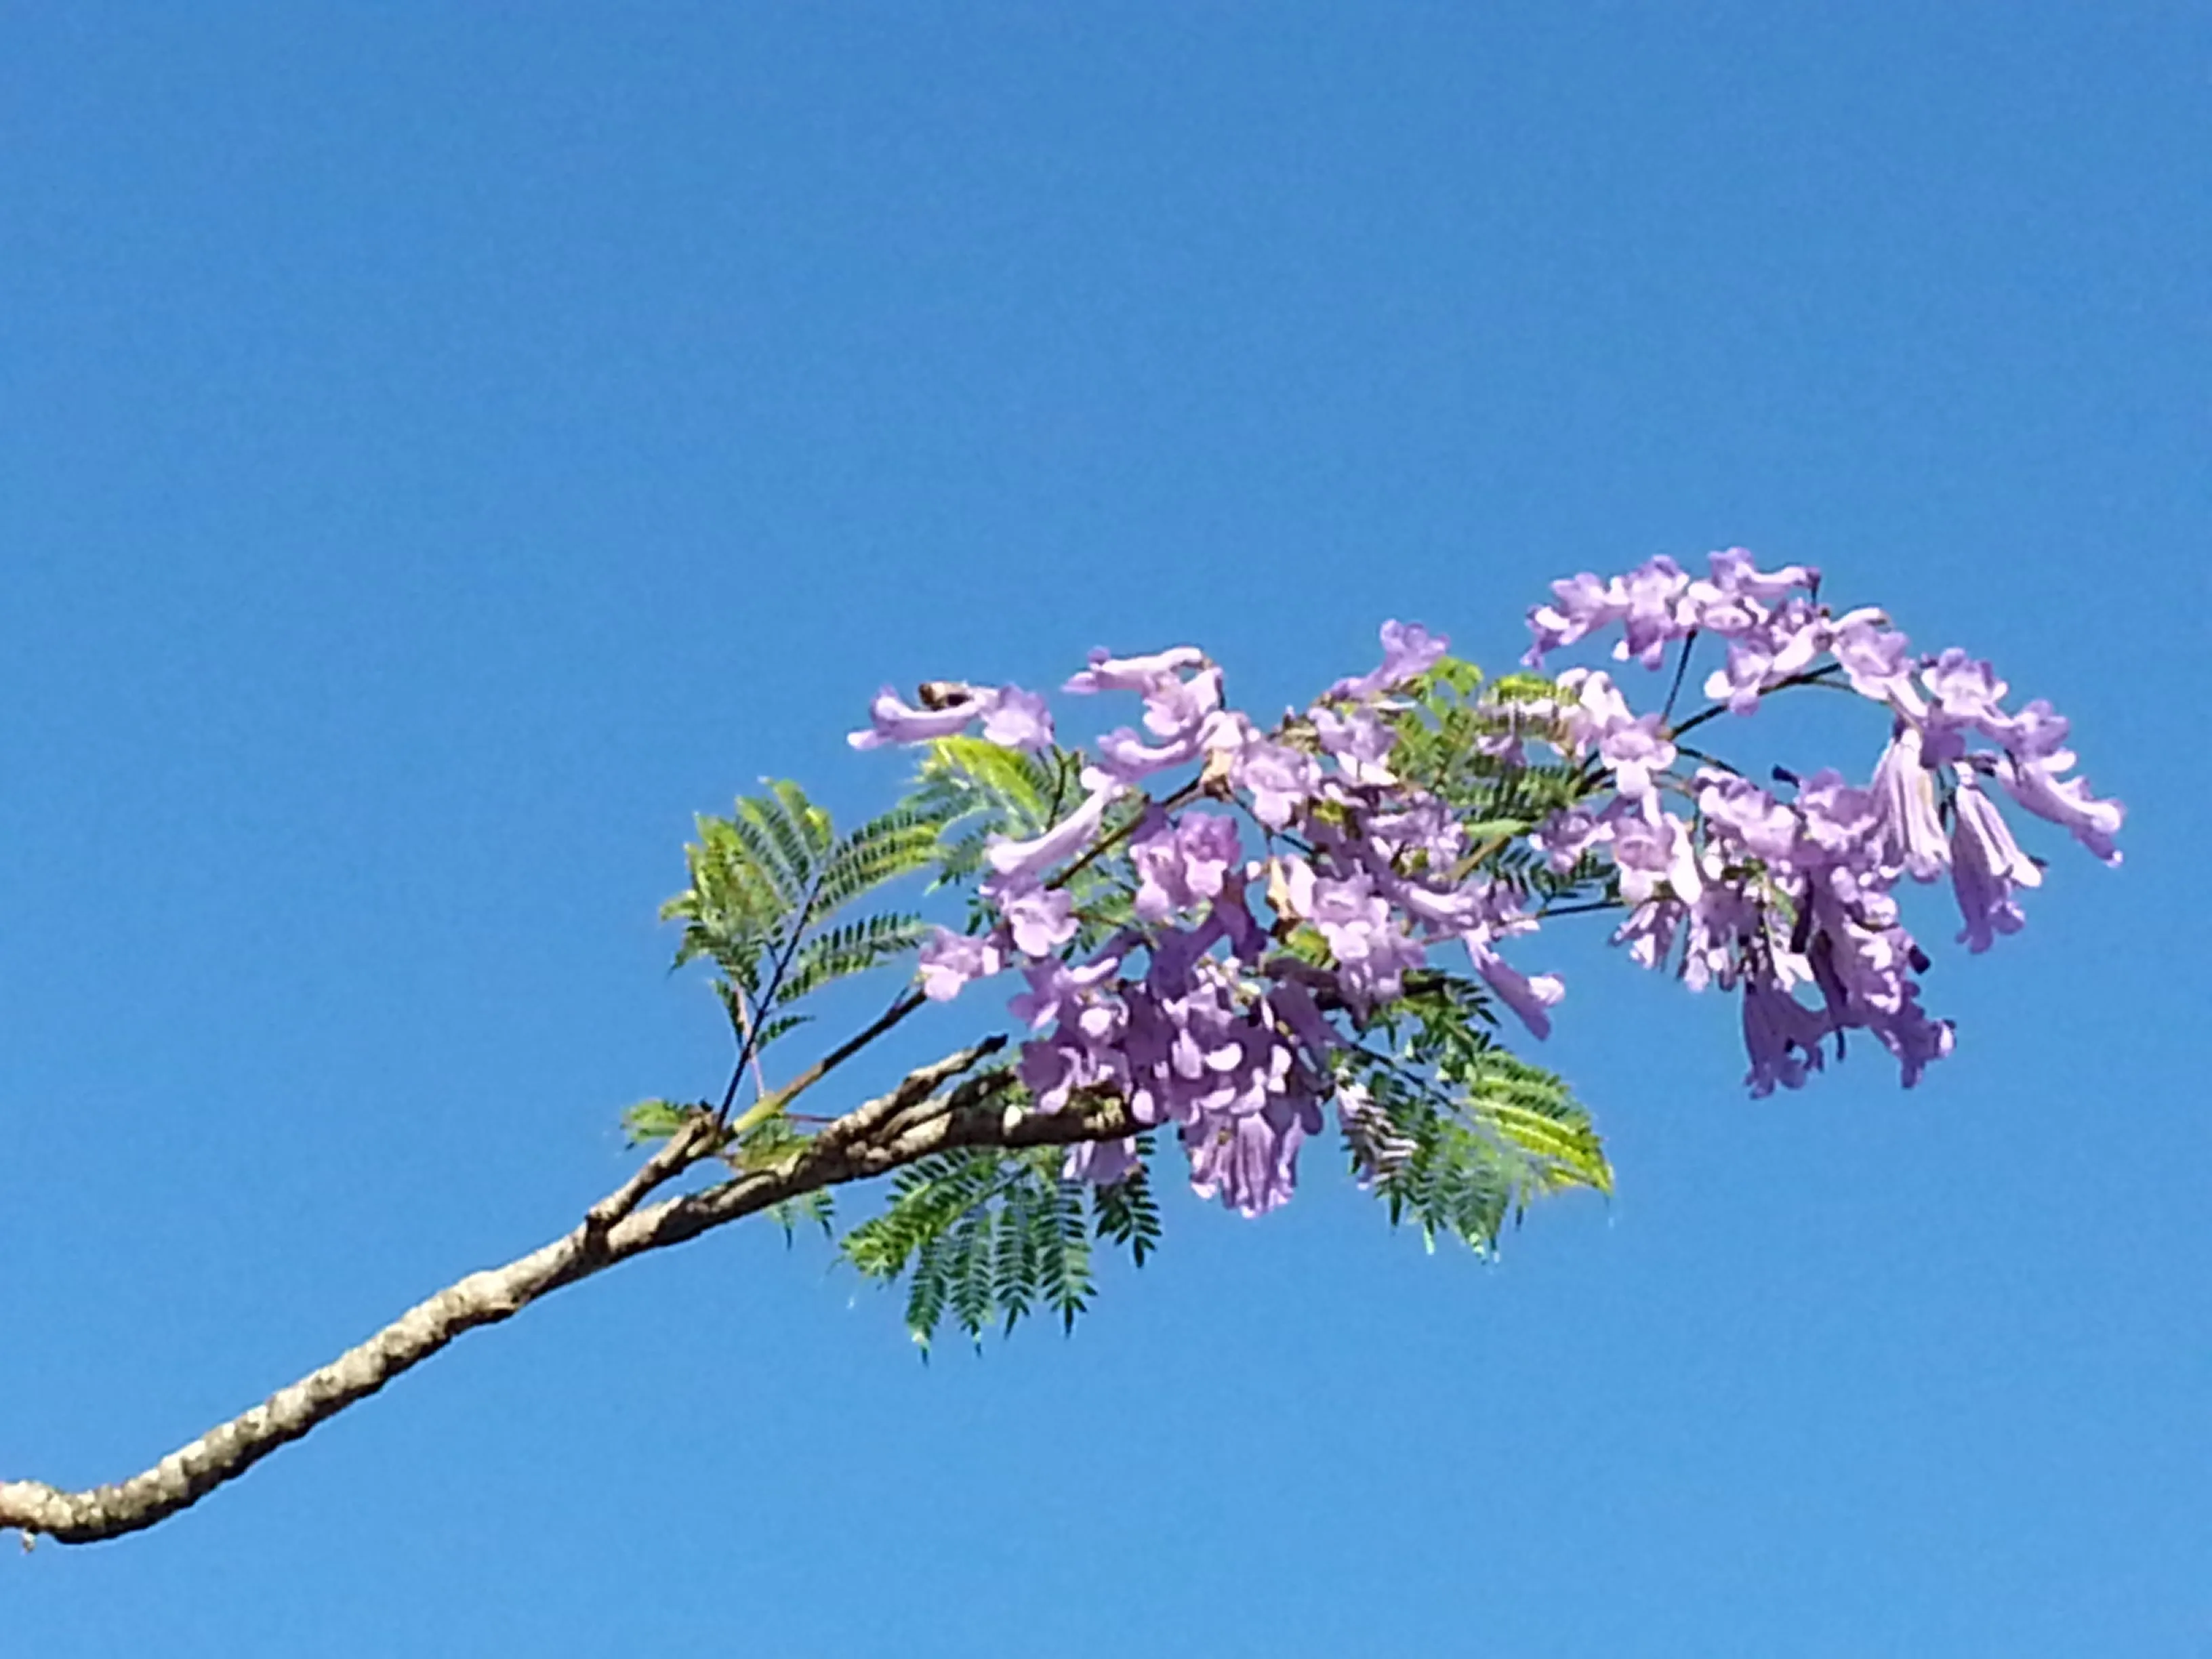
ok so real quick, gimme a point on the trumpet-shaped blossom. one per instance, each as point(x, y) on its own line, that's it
point(1986, 866)
point(1032, 858)
point(950, 961)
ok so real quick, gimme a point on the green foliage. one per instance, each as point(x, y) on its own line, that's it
point(987, 1237)
point(767, 881)
point(1464, 1150)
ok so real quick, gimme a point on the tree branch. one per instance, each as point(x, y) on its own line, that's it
point(914, 1120)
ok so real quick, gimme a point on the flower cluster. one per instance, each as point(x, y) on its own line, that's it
point(1208, 932)
point(1744, 888)
point(1213, 1006)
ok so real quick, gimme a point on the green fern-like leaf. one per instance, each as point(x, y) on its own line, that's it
point(1125, 1213)
point(1465, 1155)
point(843, 951)
point(986, 1238)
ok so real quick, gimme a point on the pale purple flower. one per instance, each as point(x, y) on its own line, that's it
point(1359, 742)
point(1250, 1160)
point(1124, 755)
point(1019, 720)
point(1409, 651)
point(1650, 850)
point(1423, 837)
point(890, 720)
point(1181, 864)
point(1111, 673)
point(1907, 832)
point(1876, 659)
point(950, 961)
point(1964, 692)
point(1530, 997)
point(2038, 732)
point(1584, 604)
point(1595, 709)
point(1657, 613)
point(1839, 819)
point(1986, 864)
point(1781, 1034)
point(1176, 707)
point(1735, 574)
point(1280, 779)
point(1766, 653)
point(1567, 834)
point(1764, 827)
point(1636, 752)
point(2066, 802)
point(1060, 994)
point(1015, 859)
point(1650, 930)
point(1039, 919)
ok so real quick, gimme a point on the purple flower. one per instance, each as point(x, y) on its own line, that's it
point(1735, 574)
point(1178, 707)
point(1874, 656)
point(1061, 994)
point(1111, 673)
point(1250, 1159)
point(1651, 850)
point(1986, 864)
point(1017, 858)
point(1567, 834)
point(1039, 919)
point(1584, 605)
point(1967, 693)
point(1531, 998)
point(1409, 651)
point(1123, 754)
point(1636, 751)
point(1763, 826)
point(1181, 864)
point(890, 720)
point(1838, 819)
point(949, 961)
point(1597, 708)
point(2066, 802)
point(1019, 720)
point(2038, 732)
point(1766, 653)
point(1656, 612)
point(1782, 1034)
point(1906, 832)
point(1359, 742)
point(1280, 780)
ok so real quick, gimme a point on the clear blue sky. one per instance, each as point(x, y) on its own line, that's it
point(445, 448)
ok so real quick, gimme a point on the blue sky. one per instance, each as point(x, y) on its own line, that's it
point(448, 447)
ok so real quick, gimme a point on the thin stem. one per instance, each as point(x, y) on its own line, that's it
point(749, 1050)
point(1681, 667)
point(1814, 677)
point(769, 1105)
point(1099, 849)
point(745, 1030)
point(1589, 909)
